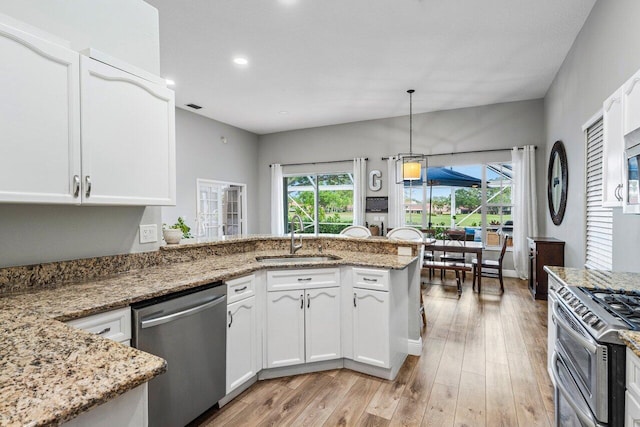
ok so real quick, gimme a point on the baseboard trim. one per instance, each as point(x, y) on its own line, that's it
point(414, 347)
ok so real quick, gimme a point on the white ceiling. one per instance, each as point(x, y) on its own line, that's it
point(337, 61)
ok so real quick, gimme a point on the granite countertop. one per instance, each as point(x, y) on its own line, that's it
point(50, 372)
point(595, 279)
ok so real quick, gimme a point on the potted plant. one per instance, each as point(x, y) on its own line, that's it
point(173, 233)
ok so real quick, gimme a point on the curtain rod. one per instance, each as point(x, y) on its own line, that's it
point(318, 163)
point(471, 152)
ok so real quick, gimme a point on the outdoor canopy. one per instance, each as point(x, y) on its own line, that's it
point(440, 176)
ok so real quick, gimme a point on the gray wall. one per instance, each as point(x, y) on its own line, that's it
point(126, 29)
point(201, 154)
point(603, 57)
point(487, 127)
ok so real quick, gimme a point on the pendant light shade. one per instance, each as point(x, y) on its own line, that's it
point(411, 170)
point(412, 164)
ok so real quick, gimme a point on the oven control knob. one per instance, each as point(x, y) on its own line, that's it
point(597, 324)
point(581, 309)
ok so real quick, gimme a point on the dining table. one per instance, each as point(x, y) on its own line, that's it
point(459, 247)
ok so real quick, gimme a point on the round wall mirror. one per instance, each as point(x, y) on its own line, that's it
point(557, 182)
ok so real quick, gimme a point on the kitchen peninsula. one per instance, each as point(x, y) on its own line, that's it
point(35, 299)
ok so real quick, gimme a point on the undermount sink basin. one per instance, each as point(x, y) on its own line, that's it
point(291, 259)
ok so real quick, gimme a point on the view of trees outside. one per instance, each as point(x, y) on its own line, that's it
point(335, 201)
point(468, 201)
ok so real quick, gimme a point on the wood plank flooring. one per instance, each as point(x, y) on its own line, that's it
point(483, 364)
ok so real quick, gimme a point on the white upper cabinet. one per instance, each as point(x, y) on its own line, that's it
point(128, 138)
point(75, 130)
point(39, 120)
point(631, 102)
point(613, 151)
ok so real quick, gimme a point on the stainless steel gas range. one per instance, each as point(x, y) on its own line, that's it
point(586, 356)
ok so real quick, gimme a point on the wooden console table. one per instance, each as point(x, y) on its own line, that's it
point(543, 251)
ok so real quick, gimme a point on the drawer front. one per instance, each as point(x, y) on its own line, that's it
point(241, 288)
point(369, 278)
point(282, 280)
point(115, 325)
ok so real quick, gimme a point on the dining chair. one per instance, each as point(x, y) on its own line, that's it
point(413, 234)
point(429, 254)
point(454, 237)
point(492, 268)
point(356, 231)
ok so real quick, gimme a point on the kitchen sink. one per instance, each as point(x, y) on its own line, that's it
point(291, 259)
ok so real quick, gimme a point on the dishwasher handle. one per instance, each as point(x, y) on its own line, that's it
point(175, 316)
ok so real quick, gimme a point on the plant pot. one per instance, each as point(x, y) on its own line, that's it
point(172, 236)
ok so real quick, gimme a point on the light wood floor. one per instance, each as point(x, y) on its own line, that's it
point(483, 364)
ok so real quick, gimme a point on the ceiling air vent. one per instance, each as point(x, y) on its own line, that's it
point(194, 106)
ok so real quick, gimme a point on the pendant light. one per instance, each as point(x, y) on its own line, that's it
point(412, 164)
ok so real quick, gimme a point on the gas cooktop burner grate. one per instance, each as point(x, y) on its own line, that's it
point(623, 304)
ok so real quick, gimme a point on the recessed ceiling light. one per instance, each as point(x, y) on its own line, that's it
point(240, 60)
point(284, 112)
point(170, 82)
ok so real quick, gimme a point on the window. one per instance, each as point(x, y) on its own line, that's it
point(324, 201)
point(599, 222)
point(475, 197)
point(220, 210)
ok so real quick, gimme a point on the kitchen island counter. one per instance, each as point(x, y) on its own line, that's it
point(51, 372)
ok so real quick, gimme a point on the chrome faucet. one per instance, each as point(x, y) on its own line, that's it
point(295, 247)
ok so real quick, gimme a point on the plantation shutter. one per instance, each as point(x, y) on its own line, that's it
point(599, 219)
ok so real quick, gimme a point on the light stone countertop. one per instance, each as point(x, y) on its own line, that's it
point(50, 372)
point(595, 279)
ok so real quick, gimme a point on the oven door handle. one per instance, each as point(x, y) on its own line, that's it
point(584, 341)
point(587, 419)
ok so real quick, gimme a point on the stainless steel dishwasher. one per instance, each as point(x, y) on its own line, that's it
point(189, 332)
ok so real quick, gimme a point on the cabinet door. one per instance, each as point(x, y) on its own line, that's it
point(632, 411)
point(241, 342)
point(285, 328)
point(371, 327)
point(631, 102)
point(613, 151)
point(128, 138)
point(39, 119)
point(322, 324)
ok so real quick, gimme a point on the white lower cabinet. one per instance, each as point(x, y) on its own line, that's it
point(632, 395)
point(241, 342)
point(371, 327)
point(322, 324)
point(302, 325)
point(285, 328)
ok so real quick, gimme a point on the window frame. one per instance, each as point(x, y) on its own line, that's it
point(315, 175)
point(483, 201)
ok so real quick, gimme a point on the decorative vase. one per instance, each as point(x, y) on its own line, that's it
point(172, 236)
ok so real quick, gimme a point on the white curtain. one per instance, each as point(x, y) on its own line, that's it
point(396, 196)
point(359, 190)
point(277, 200)
point(525, 217)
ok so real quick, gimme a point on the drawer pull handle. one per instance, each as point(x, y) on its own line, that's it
point(366, 279)
point(244, 288)
point(304, 279)
point(104, 331)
